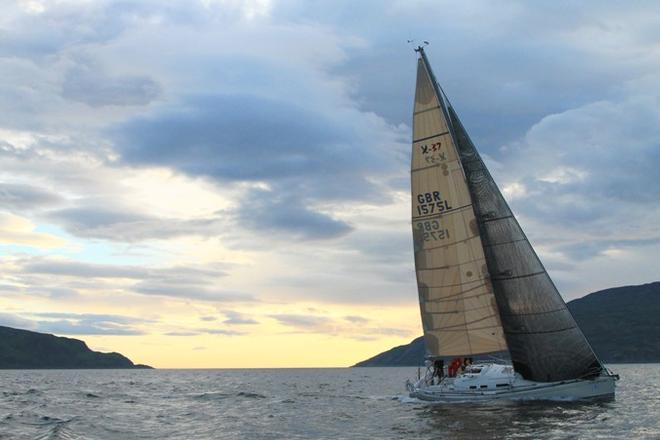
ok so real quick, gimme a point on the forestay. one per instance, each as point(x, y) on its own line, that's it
point(458, 307)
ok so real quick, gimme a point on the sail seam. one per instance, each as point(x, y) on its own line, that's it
point(450, 266)
point(448, 244)
point(435, 165)
point(518, 276)
point(450, 211)
point(504, 242)
point(533, 313)
point(460, 311)
point(470, 322)
point(496, 219)
point(427, 110)
point(540, 333)
point(430, 137)
point(462, 291)
point(452, 298)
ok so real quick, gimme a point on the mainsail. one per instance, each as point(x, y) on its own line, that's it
point(543, 339)
point(459, 310)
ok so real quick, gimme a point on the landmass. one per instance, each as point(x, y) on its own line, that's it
point(24, 349)
point(622, 325)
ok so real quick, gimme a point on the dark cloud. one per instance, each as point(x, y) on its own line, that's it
point(225, 332)
point(200, 331)
point(80, 269)
point(236, 137)
point(307, 323)
point(127, 224)
point(21, 196)
point(97, 89)
point(10, 320)
point(355, 329)
point(35, 35)
point(185, 282)
point(182, 333)
point(204, 293)
point(356, 319)
point(171, 275)
point(69, 327)
point(275, 212)
point(306, 156)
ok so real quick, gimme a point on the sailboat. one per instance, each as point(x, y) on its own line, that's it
point(483, 291)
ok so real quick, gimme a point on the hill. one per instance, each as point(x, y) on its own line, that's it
point(23, 349)
point(622, 324)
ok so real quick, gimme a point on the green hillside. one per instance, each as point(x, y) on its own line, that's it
point(23, 349)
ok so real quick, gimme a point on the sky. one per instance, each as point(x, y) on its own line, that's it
point(200, 184)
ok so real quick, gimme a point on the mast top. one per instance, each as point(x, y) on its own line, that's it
point(420, 48)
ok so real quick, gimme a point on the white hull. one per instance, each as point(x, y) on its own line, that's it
point(499, 382)
point(601, 387)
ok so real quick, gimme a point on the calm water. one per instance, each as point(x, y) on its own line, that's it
point(363, 403)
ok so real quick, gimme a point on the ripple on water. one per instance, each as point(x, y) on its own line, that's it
point(362, 403)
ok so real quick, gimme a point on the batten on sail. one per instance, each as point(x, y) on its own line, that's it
point(458, 307)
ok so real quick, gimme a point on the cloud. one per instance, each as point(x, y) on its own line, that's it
point(355, 329)
point(15, 230)
point(9, 320)
point(78, 323)
point(270, 211)
point(581, 185)
point(184, 282)
point(191, 292)
point(129, 225)
point(235, 318)
point(173, 274)
point(21, 196)
point(356, 319)
point(91, 86)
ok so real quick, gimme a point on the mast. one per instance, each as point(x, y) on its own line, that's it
point(457, 304)
point(544, 340)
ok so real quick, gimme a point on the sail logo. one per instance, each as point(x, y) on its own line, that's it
point(432, 230)
point(426, 149)
point(431, 203)
point(432, 153)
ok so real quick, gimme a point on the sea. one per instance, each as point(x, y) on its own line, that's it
point(341, 403)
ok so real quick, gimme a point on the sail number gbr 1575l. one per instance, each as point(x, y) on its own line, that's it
point(431, 203)
point(431, 230)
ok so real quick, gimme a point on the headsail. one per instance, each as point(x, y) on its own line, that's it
point(459, 311)
point(544, 340)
